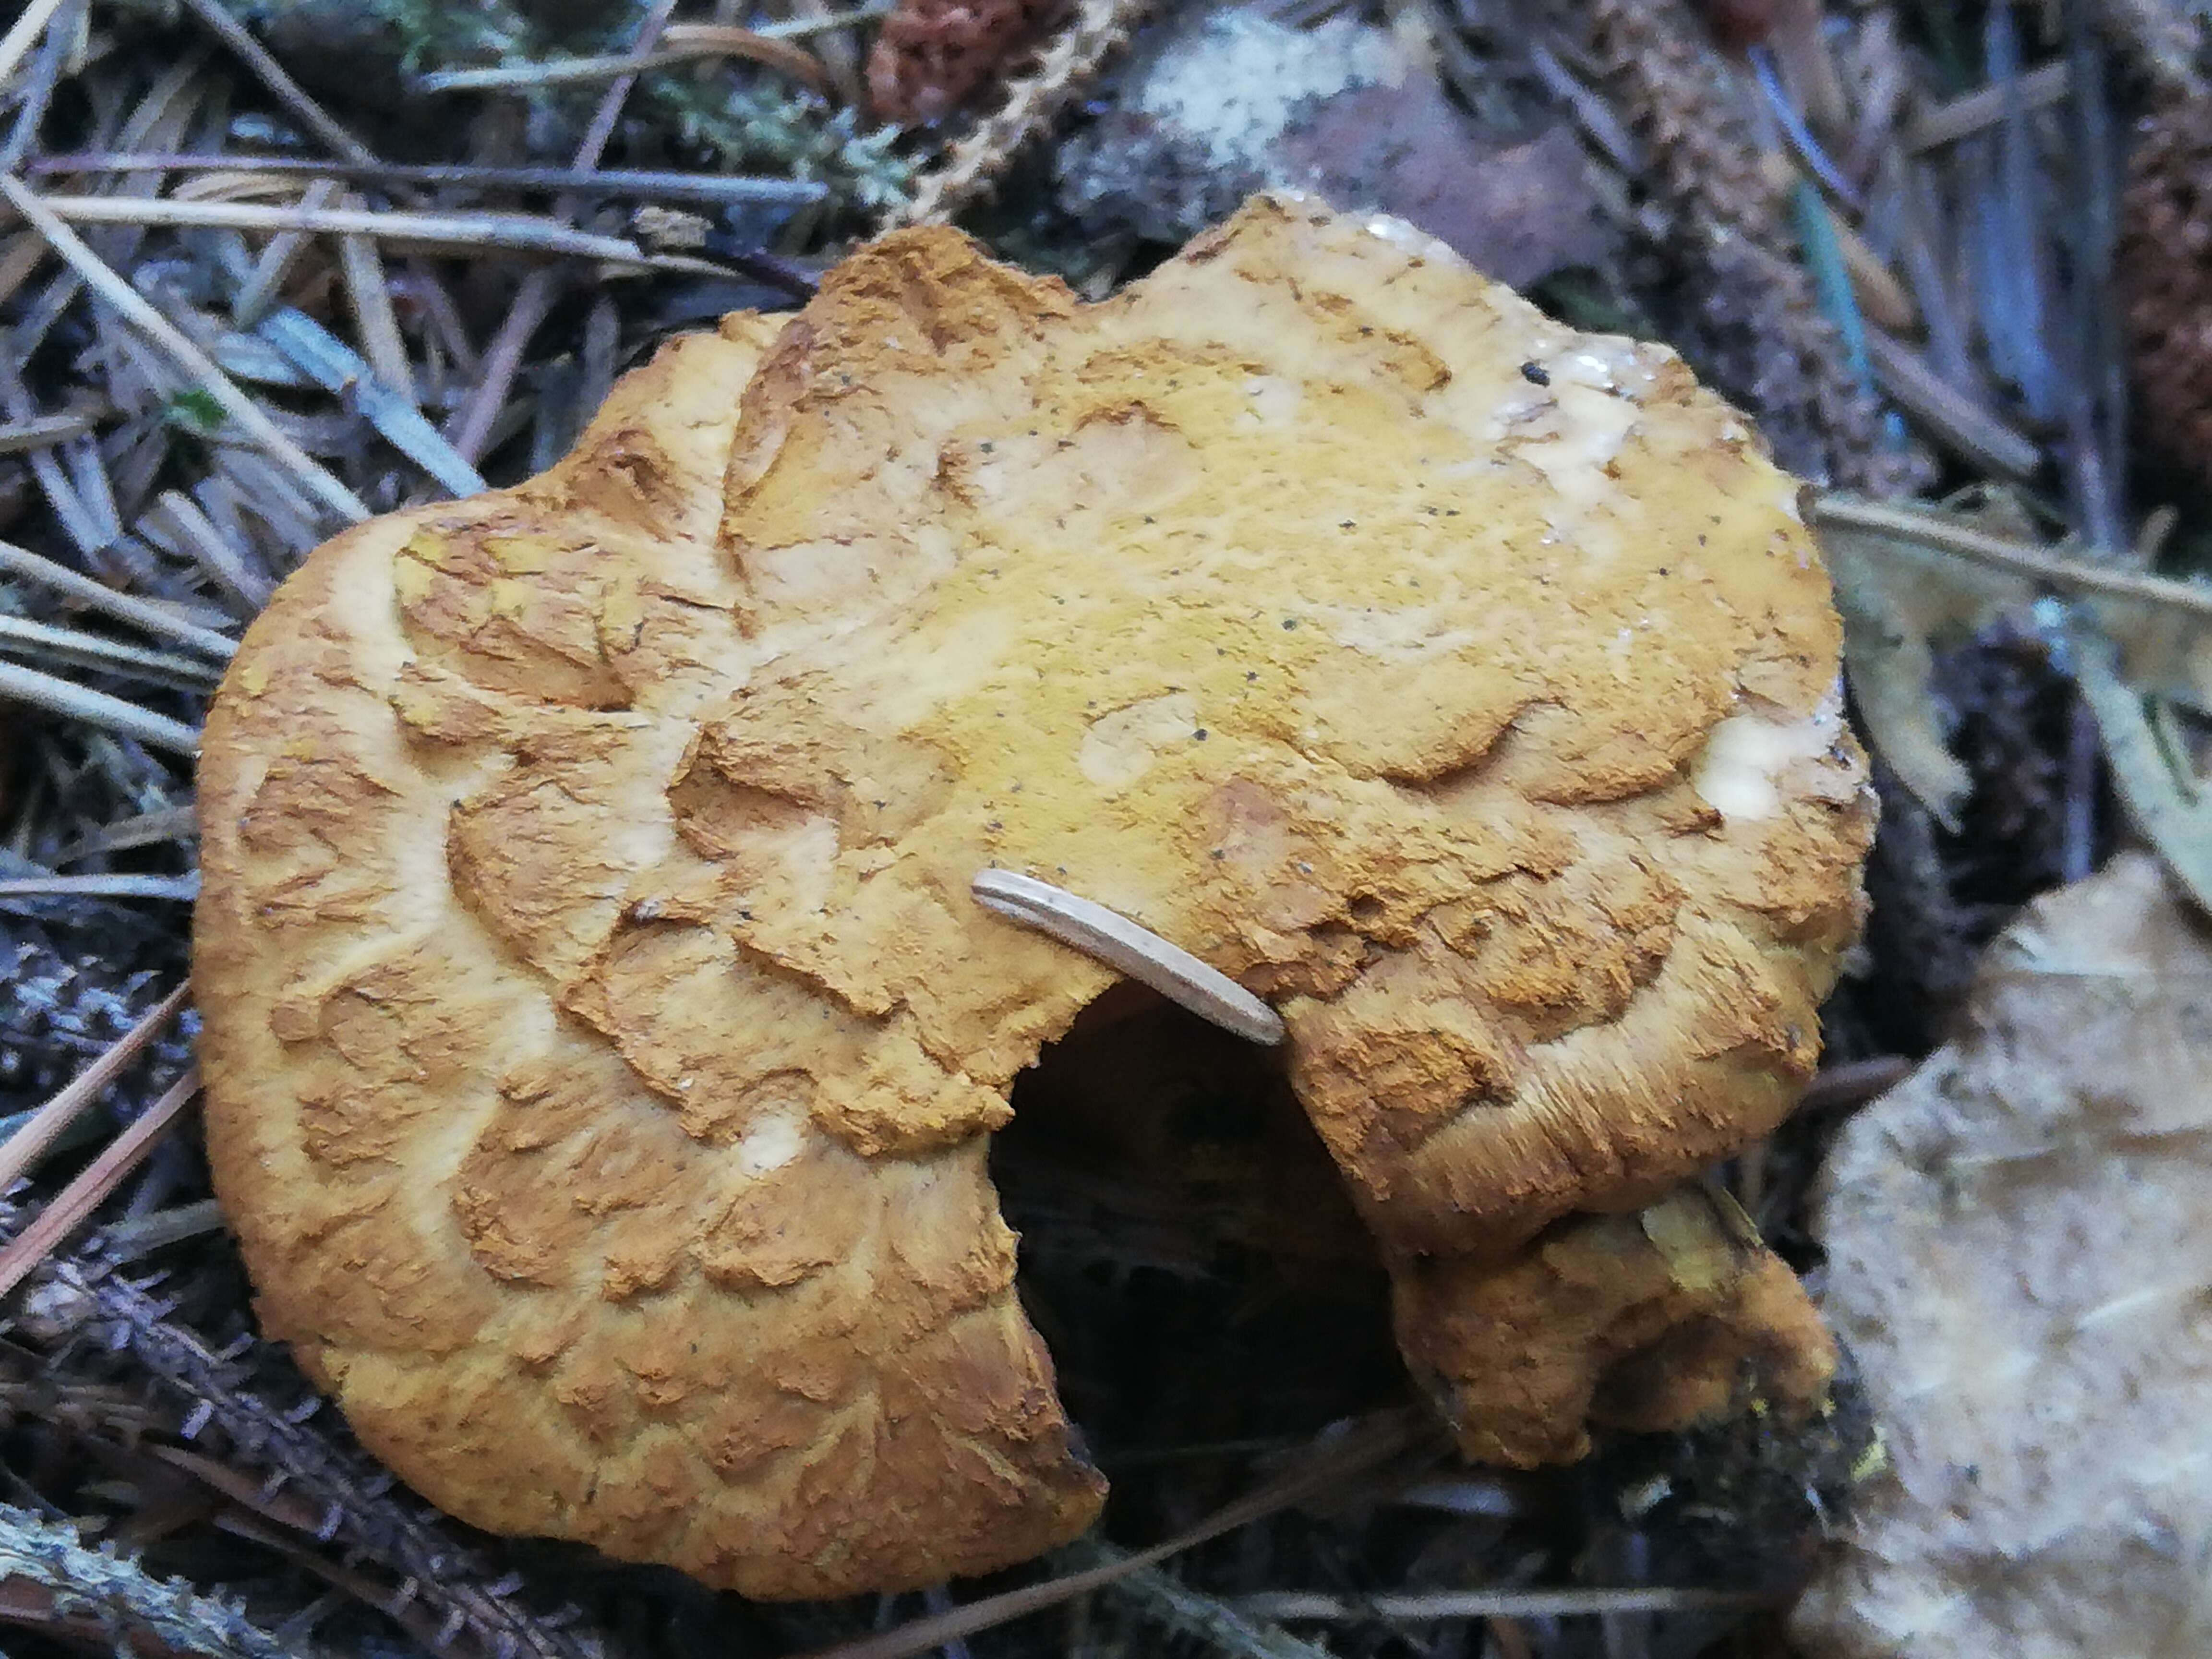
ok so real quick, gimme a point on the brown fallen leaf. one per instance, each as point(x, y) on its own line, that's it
point(1517, 211)
point(2020, 1239)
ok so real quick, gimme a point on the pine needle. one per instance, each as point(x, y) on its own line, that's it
point(151, 618)
point(23, 1148)
point(75, 1202)
point(197, 368)
point(1568, 1603)
point(15, 45)
point(80, 703)
point(1330, 1465)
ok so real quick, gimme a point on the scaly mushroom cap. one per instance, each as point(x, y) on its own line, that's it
point(602, 1042)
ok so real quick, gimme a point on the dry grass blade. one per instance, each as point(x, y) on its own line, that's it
point(470, 430)
point(1130, 948)
point(1165, 1601)
point(392, 410)
point(176, 524)
point(2156, 782)
point(258, 291)
point(1331, 1467)
point(75, 1202)
point(22, 1148)
point(369, 294)
point(66, 697)
point(138, 1235)
point(196, 364)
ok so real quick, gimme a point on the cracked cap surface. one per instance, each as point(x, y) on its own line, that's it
point(602, 1044)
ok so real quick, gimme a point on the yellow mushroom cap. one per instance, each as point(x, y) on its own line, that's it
point(602, 1040)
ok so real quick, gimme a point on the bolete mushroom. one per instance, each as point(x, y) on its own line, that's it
point(603, 1034)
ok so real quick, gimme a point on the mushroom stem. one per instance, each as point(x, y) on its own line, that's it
point(1138, 952)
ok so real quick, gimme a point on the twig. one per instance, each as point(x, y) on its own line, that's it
point(34, 566)
point(1853, 1083)
point(250, 1521)
point(77, 1200)
point(615, 182)
point(2017, 557)
point(772, 271)
point(685, 43)
point(127, 301)
point(80, 703)
point(128, 1599)
point(21, 1149)
point(452, 233)
point(360, 1507)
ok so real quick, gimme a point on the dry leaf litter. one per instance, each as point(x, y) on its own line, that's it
point(2018, 1240)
